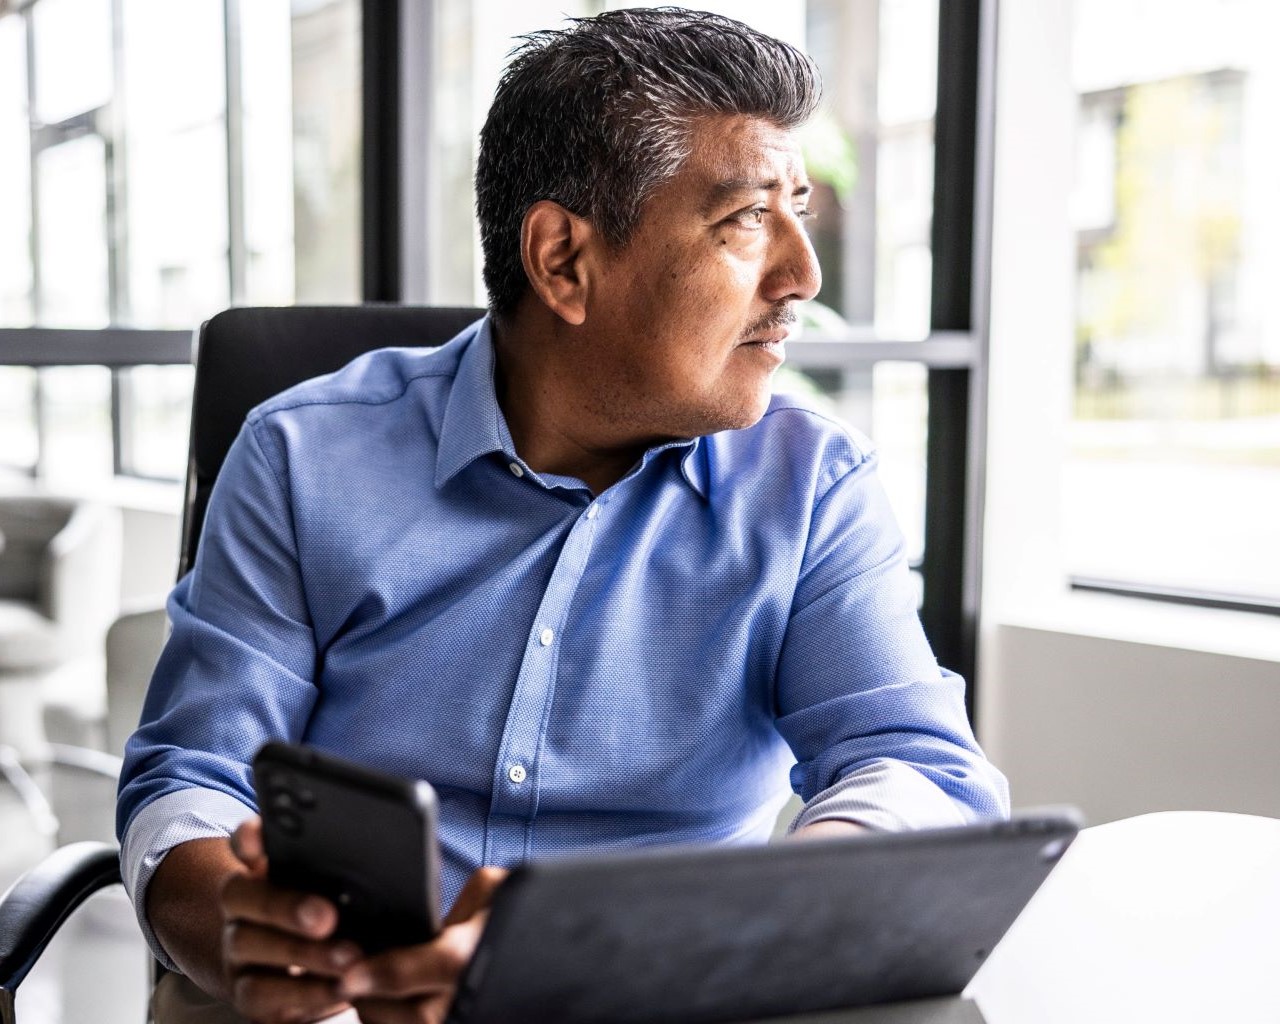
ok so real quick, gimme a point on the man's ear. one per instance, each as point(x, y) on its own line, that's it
point(552, 244)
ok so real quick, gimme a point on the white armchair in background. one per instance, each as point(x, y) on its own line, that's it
point(134, 642)
point(59, 591)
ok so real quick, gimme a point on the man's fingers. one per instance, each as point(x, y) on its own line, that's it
point(477, 893)
point(245, 898)
point(427, 1010)
point(269, 997)
point(246, 844)
point(416, 970)
point(254, 945)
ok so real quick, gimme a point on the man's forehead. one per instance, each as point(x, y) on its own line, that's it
point(742, 151)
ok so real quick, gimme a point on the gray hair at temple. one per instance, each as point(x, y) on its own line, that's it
point(596, 116)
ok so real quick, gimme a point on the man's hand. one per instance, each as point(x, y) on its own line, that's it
point(279, 959)
point(268, 951)
point(416, 984)
point(829, 828)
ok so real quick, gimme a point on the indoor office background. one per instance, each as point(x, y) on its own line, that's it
point(1049, 235)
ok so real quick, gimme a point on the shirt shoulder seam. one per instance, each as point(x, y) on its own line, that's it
point(841, 428)
point(270, 408)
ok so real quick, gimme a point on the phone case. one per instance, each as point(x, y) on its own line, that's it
point(361, 838)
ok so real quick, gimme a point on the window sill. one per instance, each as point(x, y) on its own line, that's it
point(1136, 620)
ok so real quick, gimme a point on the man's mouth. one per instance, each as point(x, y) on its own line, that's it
point(771, 331)
point(773, 345)
point(771, 338)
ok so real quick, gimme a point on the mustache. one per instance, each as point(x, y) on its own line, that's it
point(783, 315)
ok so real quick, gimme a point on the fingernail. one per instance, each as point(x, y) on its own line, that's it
point(344, 955)
point(357, 982)
point(313, 914)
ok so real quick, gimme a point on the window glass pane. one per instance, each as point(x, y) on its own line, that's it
point(72, 57)
point(266, 94)
point(879, 67)
point(76, 421)
point(165, 206)
point(175, 162)
point(15, 207)
point(869, 151)
point(890, 403)
point(17, 416)
point(1174, 472)
point(326, 149)
point(156, 420)
point(72, 183)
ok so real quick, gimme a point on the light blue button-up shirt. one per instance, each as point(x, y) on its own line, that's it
point(382, 576)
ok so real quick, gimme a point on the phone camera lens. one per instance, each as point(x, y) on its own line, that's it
point(289, 823)
point(282, 800)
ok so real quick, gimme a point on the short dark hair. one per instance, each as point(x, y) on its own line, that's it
point(596, 116)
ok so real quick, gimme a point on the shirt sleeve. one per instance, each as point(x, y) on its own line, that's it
point(238, 670)
point(860, 697)
point(166, 822)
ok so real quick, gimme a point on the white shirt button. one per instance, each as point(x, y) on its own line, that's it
point(593, 511)
point(516, 468)
point(546, 636)
point(517, 774)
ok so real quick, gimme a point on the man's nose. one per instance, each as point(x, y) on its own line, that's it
point(794, 273)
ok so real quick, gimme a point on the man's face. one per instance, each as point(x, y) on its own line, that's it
point(688, 322)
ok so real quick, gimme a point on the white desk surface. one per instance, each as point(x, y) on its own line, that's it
point(1167, 917)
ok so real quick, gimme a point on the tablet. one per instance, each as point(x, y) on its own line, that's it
point(701, 935)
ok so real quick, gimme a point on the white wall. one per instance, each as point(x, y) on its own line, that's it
point(1120, 728)
point(1115, 705)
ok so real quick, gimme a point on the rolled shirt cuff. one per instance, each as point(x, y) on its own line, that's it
point(166, 822)
point(887, 796)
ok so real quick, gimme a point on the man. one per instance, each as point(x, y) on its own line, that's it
point(577, 568)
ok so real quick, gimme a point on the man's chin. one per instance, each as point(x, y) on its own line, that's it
point(747, 414)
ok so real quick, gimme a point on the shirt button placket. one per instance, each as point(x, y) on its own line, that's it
point(515, 797)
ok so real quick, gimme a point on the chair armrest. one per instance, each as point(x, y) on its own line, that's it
point(37, 904)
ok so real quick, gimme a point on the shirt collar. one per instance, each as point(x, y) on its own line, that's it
point(474, 426)
point(695, 468)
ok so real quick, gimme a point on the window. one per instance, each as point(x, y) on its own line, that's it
point(182, 157)
point(1172, 480)
point(245, 185)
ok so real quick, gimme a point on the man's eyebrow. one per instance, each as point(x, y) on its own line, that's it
point(723, 191)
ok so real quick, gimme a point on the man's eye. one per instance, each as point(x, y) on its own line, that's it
point(806, 214)
point(751, 218)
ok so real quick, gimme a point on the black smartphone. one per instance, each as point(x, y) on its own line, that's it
point(360, 838)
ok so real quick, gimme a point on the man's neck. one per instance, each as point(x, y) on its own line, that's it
point(540, 392)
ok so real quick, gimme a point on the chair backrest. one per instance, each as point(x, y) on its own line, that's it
point(244, 356)
point(28, 526)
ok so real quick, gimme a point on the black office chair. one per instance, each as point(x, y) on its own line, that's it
point(243, 357)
